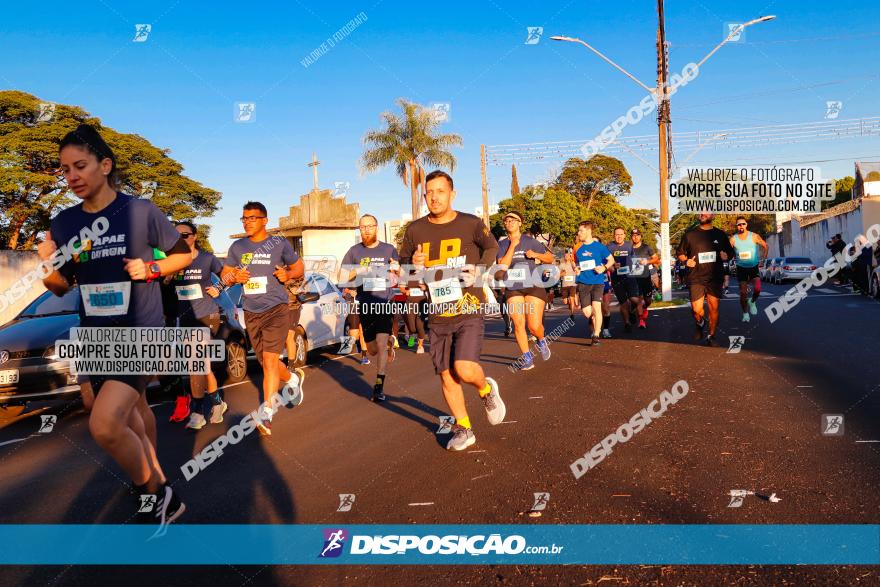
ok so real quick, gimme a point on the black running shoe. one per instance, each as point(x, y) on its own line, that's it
point(698, 329)
point(595, 341)
point(378, 395)
point(710, 341)
point(162, 508)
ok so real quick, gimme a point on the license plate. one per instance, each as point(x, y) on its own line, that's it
point(8, 376)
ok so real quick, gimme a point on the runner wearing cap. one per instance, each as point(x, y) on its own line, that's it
point(642, 256)
point(520, 254)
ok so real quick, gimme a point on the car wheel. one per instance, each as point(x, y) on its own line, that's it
point(302, 347)
point(236, 362)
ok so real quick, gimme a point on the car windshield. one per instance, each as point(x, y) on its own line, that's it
point(798, 260)
point(50, 304)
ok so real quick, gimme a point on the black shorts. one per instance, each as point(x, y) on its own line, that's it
point(138, 382)
point(569, 291)
point(211, 321)
point(744, 274)
point(621, 290)
point(700, 290)
point(294, 316)
point(640, 286)
point(375, 323)
point(587, 294)
point(268, 330)
point(461, 340)
point(535, 292)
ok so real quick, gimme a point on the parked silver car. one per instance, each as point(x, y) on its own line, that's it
point(792, 268)
point(767, 269)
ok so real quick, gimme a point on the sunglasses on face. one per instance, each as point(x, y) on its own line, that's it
point(741, 224)
point(186, 234)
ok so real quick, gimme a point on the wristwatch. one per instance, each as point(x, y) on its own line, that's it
point(154, 272)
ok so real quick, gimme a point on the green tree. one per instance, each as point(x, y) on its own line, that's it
point(598, 178)
point(761, 224)
point(409, 143)
point(32, 189)
point(514, 182)
point(842, 192)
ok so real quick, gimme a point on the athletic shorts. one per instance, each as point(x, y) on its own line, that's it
point(373, 324)
point(640, 286)
point(211, 321)
point(268, 330)
point(700, 290)
point(294, 316)
point(461, 340)
point(535, 292)
point(569, 291)
point(588, 294)
point(621, 290)
point(746, 273)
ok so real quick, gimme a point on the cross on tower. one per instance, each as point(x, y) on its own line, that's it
point(314, 165)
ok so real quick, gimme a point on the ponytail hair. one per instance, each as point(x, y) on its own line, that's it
point(87, 137)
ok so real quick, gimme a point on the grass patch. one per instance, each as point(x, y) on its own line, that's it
point(670, 304)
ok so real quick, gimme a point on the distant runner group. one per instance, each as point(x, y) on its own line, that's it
point(440, 269)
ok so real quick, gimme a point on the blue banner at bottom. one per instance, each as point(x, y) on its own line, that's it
point(182, 544)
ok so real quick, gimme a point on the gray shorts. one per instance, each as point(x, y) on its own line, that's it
point(461, 340)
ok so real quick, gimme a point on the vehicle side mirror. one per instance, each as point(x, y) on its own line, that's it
point(306, 297)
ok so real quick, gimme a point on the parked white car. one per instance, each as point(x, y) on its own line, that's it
point(321, 321)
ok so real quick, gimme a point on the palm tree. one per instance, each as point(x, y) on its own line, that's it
point(409, 142)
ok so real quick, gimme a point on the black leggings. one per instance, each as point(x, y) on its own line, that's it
point(414, 322)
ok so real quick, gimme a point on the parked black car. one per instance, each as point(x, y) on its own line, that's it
point(29, 370)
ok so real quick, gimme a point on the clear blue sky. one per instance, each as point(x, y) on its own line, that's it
point(177, 89)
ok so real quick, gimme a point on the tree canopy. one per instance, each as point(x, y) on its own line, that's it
point(32, 189)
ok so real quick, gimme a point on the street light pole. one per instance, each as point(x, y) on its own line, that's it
point(661, 94)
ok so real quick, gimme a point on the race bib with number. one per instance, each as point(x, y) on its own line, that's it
point(106, 299)
point(706, 257)
point(255, 286)
point(375, 284)
point(189, 292)
point(745, 255)
point(568, 279)
point(445, 290)
point(517, 274)
point(416, 292)
point(587, 265)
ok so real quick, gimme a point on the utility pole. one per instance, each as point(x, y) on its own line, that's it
point(663, 119)
point(314, 165)
point(485, 185)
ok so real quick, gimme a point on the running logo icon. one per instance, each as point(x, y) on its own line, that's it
point(832, 424)
point(736, 344)
point(148, 188)
point(334, 541)
point(340, 188)
point(446, 423)
point(346, 500)
point(47, 424)
point(533, 34)
point(141, 32)
point(245, 112)
point(541, 501)
point(832, 109)
point(737, 496)
point(148, 502)
point(47, 111)
point(735, 31)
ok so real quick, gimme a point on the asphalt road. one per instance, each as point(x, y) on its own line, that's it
point(751, 420)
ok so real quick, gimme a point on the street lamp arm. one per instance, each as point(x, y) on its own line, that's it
point(732, 34)
point(619, 68)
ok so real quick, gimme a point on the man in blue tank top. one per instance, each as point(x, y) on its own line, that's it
point(750, 249)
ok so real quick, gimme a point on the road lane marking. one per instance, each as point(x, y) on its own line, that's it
point(509, 422)
point(14, 441)
point(481, 476)
point(537, 397)
point(423, 503)
point(858, 441)
point(805, 386)
point(234, 384)
point(473, 451)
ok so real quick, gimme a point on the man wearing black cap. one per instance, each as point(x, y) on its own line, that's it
point(639, 282)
